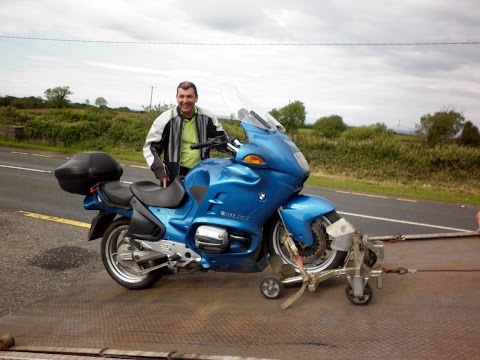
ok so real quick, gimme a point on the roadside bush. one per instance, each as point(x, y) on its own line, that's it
point(43, 128)
point(63, 115)
point(453, 158)
point(72, 133)
point(95, 114)
point(91, 114)
point(366, 132)
point(330, 126)
point(9, 115)
point(66, 126)
point(128, 131)
point(382, 158)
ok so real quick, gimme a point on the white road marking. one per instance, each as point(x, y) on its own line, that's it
point(371, 195)
point(22, 168)
point(408, 200)
point(403, 222)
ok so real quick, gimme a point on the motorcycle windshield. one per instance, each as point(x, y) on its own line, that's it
point(243, 109)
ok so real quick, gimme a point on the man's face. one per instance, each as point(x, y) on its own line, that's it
point(186, 100)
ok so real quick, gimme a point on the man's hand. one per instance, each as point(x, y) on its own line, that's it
point(164, 181)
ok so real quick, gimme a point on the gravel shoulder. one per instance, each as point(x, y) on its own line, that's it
point(39, 258)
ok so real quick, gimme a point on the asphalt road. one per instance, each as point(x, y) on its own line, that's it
point(28, 184)
point(42, 258)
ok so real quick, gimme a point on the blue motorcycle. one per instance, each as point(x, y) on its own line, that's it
point(237, 213)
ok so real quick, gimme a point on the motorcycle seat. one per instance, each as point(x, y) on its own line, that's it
point(118, 193)
point(153, 194)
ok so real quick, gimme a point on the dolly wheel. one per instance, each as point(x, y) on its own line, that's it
point(271, 287)
point(6, 341)
point(360, 300)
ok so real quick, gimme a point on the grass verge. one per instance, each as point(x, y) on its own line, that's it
point(409, 192)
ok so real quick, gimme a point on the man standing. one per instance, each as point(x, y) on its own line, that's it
point(174, 131)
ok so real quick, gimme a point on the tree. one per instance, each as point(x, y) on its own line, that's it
point(291, 116)
point(276, 113)
point(100, 101)
point(158, 108)
point(28, 103)
point(441, 127)
point(87, 102)
point(470, 135)
point(58, 96)
point(330, 126)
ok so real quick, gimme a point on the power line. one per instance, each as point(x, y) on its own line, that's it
point(433, 43)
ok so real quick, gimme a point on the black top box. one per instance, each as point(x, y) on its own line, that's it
point(86, 169)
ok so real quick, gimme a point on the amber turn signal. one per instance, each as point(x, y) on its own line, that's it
point(254, 159)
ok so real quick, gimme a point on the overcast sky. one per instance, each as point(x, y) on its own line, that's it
point(125, 51)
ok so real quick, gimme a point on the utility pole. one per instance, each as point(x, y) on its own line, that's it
point(151, 96)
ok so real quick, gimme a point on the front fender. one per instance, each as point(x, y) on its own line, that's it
point(299, 212)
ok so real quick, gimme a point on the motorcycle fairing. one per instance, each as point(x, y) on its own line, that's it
point(261, 142)
point(94, 202)
point(299, 212)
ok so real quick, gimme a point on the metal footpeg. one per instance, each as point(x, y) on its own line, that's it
point(143, 256)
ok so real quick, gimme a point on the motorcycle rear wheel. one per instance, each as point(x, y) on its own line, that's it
point(113, 239)
point(316, 258)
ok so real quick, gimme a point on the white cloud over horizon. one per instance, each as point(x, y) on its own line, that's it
point(131, 47)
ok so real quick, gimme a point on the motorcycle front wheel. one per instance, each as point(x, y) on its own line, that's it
point(317, 257)
point(124, 271)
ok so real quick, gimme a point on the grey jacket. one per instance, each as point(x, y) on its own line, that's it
point(165, 137)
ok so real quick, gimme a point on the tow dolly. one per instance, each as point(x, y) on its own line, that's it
point(363, 253)
point(358, 267)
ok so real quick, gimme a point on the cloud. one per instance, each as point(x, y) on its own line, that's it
point(362, 83)
point(125, 68)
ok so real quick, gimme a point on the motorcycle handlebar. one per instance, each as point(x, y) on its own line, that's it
point(201, 145)
point(223, 143)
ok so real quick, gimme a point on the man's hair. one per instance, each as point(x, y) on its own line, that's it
point(185, 85)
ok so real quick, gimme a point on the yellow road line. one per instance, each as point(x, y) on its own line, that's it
point(55, 219)
point(137, 166)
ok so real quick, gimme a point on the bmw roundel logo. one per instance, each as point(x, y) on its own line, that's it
point(262, 196)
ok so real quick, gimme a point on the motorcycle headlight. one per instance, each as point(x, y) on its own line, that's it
point(302, 161)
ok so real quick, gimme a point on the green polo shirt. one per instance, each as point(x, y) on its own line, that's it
point(189, 158)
